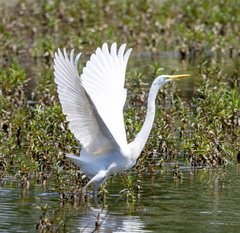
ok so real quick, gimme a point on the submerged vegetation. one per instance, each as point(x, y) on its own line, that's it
point(202, 127)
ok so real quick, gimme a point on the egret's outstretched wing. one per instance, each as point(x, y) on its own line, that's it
point(84, 120)
point(103, 78)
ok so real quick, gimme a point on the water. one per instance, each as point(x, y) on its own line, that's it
point(203, 200)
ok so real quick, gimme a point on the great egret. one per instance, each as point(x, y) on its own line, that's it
point(93, 103)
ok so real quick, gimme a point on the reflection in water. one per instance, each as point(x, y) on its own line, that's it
point(202, 200)
point(115, 222)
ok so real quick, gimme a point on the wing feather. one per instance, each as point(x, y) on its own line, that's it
point(103, 78)
point(84, 120)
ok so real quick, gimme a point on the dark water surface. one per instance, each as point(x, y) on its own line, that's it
point(203, 200)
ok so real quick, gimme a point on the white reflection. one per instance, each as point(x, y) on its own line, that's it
point(114, 222)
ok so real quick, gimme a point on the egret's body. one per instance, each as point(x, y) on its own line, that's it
point(93, 103)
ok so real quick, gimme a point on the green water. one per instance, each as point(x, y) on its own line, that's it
point(203, 200)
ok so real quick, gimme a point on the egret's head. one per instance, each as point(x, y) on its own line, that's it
point(162, 79)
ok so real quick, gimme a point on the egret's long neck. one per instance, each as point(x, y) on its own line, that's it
point(141, 139)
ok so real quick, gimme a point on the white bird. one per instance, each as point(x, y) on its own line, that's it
point(93, 103)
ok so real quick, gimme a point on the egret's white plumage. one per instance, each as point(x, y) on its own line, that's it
point(93, 103)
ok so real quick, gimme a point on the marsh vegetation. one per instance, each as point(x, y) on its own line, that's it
point(198, 119)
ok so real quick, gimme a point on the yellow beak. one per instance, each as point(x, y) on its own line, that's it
point(178, 76)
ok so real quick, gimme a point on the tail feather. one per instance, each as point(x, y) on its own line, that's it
point(75, 159)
